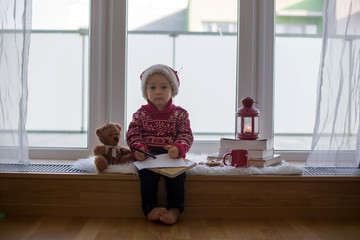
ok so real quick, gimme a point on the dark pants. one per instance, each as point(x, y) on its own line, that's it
point(149, 186)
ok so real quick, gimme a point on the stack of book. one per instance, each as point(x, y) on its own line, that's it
point(260, 151)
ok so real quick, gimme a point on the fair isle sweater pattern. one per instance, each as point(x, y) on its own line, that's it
point(154, 129)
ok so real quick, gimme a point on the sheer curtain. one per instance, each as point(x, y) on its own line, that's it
point(15, 27)
point(336, 138)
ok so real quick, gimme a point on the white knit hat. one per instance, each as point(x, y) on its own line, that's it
point(167, 71)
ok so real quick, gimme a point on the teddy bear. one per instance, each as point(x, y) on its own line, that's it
point(110, 152)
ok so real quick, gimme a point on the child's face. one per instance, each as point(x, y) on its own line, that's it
point(159, 90)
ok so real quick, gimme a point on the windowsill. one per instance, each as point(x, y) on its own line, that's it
point(318, 175)
point(294, 147)
point(210, 178)
point(71, 162)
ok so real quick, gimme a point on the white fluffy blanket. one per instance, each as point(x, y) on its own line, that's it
point(87, 164)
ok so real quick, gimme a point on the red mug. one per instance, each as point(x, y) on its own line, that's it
point(239, 158)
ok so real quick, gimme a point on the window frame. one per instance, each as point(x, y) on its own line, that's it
point(108, 44)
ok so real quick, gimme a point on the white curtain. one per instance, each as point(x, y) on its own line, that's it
point(15, 27)
point(336, 138)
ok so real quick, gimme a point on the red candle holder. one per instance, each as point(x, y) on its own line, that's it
point(247, 120)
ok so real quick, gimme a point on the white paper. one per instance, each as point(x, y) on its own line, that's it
point(161, 161)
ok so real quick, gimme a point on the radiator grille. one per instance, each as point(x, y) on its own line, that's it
point(331, 171)
point(60, 168)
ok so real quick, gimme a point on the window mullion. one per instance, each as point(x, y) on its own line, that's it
point(99, 85)
point(255, 58)
point(117, 65)
point(246, 50)
point(265, 66)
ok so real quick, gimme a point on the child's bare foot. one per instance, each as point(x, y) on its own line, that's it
point(156, 213)
point(171, 216)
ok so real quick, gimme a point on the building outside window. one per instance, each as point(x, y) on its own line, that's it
point(220, 27)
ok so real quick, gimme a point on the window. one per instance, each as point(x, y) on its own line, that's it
point(58, 74)
point(115, 66)
point(173, 34)
point(298, 42)
point(207, 62)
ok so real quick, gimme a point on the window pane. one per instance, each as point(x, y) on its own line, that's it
point(199, 40)
point(297, 58)
point(58, 74)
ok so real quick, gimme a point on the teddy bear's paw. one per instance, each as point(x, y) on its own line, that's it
point(126, 159)
point(101, 163)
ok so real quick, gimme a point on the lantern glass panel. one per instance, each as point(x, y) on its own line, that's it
point(247, 125)
point(256, 125)
point(238, 123)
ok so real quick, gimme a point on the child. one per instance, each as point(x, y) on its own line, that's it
point(160, 127)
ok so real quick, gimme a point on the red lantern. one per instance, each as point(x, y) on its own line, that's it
point(247, 120)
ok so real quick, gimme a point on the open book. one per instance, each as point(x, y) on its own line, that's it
point(165, 165)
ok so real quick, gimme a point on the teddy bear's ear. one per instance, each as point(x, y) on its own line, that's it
point(98, 132)
point(118, 126)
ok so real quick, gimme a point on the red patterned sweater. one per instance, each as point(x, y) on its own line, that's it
point(154, 129)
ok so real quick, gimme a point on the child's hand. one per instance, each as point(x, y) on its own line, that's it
point(173, 151)
point(139, 155)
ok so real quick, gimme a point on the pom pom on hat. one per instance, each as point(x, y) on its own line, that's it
point(167, 71)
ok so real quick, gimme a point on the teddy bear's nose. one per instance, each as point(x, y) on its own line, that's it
point(116, 138)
